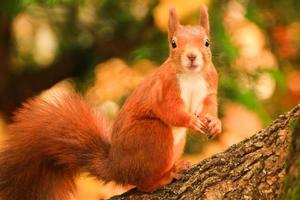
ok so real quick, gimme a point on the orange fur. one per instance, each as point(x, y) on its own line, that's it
point(53, 142)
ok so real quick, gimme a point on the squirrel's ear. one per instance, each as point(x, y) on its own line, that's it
point(173, 22)
point(204, 19)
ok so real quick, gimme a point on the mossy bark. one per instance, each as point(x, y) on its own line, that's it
point(252, 169)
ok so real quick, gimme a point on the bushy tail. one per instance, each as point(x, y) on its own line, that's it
point(51, 142)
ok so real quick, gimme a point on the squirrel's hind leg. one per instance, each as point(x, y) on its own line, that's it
point(151, 185)
point(148, 158)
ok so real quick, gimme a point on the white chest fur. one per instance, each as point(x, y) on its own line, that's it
point(193, 90)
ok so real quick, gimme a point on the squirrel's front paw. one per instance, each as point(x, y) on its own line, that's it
point(213, 126)
point(197, 125)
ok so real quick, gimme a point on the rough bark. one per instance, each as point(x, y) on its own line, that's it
point(252, 169)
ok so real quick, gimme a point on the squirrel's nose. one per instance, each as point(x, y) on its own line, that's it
point(191, 56)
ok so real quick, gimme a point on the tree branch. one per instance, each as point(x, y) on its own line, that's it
point(252, 169)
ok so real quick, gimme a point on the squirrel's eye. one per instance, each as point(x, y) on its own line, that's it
point(207, 42)
point(174, 45)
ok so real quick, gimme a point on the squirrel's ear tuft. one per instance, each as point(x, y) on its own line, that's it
point(204, 19)
point(173, 22)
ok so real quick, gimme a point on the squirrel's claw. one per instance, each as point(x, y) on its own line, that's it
point(197, 125)
point(214, 127)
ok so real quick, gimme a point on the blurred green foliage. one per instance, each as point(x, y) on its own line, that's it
point(116, 32)
point(13, 7)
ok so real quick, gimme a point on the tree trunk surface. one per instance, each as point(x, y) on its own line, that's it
point(252, 169)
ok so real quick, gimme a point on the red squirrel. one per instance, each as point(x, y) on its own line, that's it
point(52, 142)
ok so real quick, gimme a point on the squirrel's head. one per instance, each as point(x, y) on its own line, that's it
point(189, 45)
